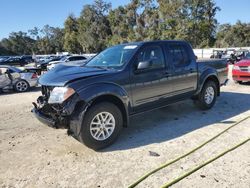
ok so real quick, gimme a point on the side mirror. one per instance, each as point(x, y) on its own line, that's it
point(143, 65)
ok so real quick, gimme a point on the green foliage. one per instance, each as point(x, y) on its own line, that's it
point(237, 35)
point(94, 28)
point(71, 28)
point(99, 26)
point(17, 43)
point(191, 20)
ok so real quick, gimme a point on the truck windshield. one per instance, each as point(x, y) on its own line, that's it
point(114, 57)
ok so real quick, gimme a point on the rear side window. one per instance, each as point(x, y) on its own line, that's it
point(179, 54)
point(80, 58)
point(76, 58)
point(153, 54)
point(71, 59)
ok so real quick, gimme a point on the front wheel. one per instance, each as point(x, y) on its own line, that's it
point(207, 96)
point(101, 125)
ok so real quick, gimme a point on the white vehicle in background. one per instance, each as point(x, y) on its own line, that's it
point(66, 59)
point(17, 79)
point(227, 54)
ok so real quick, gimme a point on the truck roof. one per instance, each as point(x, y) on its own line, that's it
point(139, 43)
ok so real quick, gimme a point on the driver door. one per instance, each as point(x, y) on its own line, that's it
point(150, 85)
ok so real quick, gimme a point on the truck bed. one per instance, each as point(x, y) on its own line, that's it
point(219, 64)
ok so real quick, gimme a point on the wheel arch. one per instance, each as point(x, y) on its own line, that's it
point(107, 92)
point(208, 75)
point(215, 80)
point(116, 101)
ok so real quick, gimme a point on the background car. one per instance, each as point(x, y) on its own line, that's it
point(217, 54)
point(23, 80)
point(241, 70)
point(14, 61)
point(8, 79)
point(3, 58)
point(66, 59)
point(241, 54)
point(44, 62)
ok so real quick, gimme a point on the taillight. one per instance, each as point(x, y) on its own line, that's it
point(34, 75)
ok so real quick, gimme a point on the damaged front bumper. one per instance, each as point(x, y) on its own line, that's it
point(55, 115)
point(44, 118)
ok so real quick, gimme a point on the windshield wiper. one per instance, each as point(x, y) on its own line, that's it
point(101, 67)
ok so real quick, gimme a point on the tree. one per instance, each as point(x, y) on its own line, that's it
point(57, 39)
point(233, 35)
point(50, 40)
point(18, 43)
point(94, 29)
point(119, 25)
point(201, 22)
point(191, 20)
point(71, 29)
point(5, 48)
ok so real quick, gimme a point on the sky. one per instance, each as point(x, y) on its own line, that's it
point(22, 15)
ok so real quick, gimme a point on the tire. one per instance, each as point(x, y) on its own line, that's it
point(22, 86)
point(93, 133)
point(238, 82)
point(207, 97)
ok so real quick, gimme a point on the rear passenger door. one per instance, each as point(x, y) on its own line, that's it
point(184, 69)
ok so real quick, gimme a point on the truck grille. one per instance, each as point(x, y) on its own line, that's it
point(245, 68)
point(46, 90)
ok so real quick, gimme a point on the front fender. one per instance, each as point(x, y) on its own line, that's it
point(93, 91)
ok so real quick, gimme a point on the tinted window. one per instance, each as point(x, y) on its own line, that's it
point(153, 54)
point(179, 54)
point(71, 59)
point(80, 58)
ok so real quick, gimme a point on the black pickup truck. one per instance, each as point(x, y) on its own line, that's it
point(95, 101)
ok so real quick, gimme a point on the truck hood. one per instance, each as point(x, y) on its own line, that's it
point(244, 62)
point(62, 74)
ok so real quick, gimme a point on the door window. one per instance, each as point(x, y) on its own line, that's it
point(152, 54)
point(179, 55)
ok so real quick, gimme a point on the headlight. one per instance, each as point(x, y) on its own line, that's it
point(60, 94)
point(235, 67)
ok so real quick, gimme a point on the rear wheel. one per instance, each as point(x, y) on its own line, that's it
point(101, 125)
point(207, 97)
point(21, 86)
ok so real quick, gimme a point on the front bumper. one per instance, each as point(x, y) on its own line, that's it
point(55, 115)
point(241, 75)
point(44, 118)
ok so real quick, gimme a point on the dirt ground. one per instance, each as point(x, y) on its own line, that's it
point(34, 155)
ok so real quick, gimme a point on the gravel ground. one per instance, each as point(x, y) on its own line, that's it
point(34, 155)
